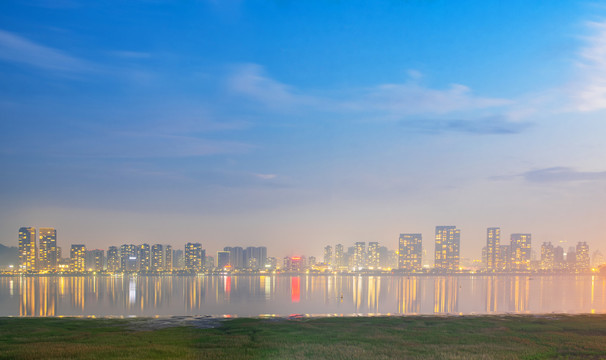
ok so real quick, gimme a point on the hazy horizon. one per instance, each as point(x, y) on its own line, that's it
point(298, 125)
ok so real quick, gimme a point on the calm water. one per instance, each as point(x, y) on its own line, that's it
point(284, 295)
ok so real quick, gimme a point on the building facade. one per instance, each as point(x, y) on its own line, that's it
point(447, 248)
point(410, 252)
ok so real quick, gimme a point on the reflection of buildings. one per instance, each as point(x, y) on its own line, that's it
point(408, 295)
point(519, 293)
point(38, 296)
point(27, 248)
point(295, 289)
point(448, 240)
point(446, 295)
point(410, 252)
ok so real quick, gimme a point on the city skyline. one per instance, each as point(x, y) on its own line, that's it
point(295, 125)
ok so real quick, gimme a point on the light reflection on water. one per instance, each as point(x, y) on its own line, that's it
point(252, 295)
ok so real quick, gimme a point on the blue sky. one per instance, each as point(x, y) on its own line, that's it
point(300, 124)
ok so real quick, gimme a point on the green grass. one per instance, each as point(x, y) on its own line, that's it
point(419, 337)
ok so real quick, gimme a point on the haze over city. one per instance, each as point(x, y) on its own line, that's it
point(297, 125)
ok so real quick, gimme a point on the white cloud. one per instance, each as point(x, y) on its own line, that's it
point(589, 92)
point(266, 176)
point(18, 49)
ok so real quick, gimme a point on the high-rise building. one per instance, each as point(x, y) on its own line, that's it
point(328, 255)
point(504, 256)
point(209, 262)
point(558, 257)
point(193, 257)
point(373, 260)
point(47, 252)
point(583, 261)
point(222, 259)
point(144, 257)
point(547, 256)
point(157, 257)
point(94, 260)
point(27, 248)
point(448, 242)
point(77, 257)
point(410, 252)
point(493, 243)
point(254, 257)
point(168, 258)
point(520, 252)
point(178, 260)
point(339, 256)
point(359, 261)
point(113, 259)
point(128, 257)
point(236, 256)
point(571, 258)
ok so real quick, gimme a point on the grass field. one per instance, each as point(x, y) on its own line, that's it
point(420, 337)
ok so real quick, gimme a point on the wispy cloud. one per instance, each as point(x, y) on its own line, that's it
point(265, 176)
point(497, 125)
point(562, 174)
point(15, 48)
point(590, 90)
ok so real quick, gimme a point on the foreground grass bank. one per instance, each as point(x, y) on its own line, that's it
point(466, 337)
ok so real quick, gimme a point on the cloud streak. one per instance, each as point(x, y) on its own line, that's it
point(562, 174)
point(17, 49)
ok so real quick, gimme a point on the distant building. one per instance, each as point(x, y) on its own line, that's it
point(236, 256)
point(493, 243)
point(94, 260)
point(328, 255)
point(27, 248)
point(254, 257)
point(339, 256)
point(410, 252)
point(558, 257)
point(359, 257)
point(168, 258)
point(113, 259)
point(520, 252)
point(128, 257)
point(373, 259)
point(209, 262)
point(193, 257)
point(47, 253)
point(157, 257)
point(547, 256)
point(583, 261)
point(447, 253)
point(144, 257)
point(571, 258)
point(222, 259)
point(77, 258)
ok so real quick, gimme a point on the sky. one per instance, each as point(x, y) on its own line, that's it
point(300, 124)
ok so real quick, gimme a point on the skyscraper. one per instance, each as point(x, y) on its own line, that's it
point(410, 252)
point(222, 259)
point(448, 242)
point(583, 261)
point(47, 253)
point(236, 256)
point(128, 257)
point(77, 258)
point(520, 252)
point(359, 255)
point(157, 257)
point(547, 256)
point(168, 258)
point(339, 256)
point(373, 260)
point(328, 255)
point(113, 259)
point(144, 257)
point(493, 243)
point(94, 260)
point(193, 257)
point(27, 248)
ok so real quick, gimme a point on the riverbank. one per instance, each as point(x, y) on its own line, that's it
point(414, 337)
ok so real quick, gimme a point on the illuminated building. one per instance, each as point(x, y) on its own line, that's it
point(157, 257)
point(144, 257)
point(339, 256)
point(209, 262)
point(410, 252)
point(128, 257)
point(178, 260)
point(222, 259)
point(547, 256)
point(359, 261)
point(254, 257)
point(520, 252)
point(558, 257)
point(193, 257)
point(328, 255)
point(47, 252)
point(113, 259)
point(27, 248)
point(504, 256)
point(77, 258)
point(373, 260)
point(583, 262)
point(493, 243)
point(312, 261)
point(168, 258)
point(294, 263)
point(94, 260)
point(448, 242)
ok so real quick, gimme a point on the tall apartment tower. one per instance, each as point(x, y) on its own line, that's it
point(144, 257)
point(583, 262)
point(373, 258)
point(328, 255)
point(359, 255)
point(157, 257)
point(27, 248)
point(222, 259)
point(77, 257)
point(128, 257)
point(410, 252)
point(47, 251)
point(168, 258)
point(520, 252)
point(493, 243)
point(339, 256)
point(547, 256)
point(113, 259)
point(193, 257)
point(448, 243)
